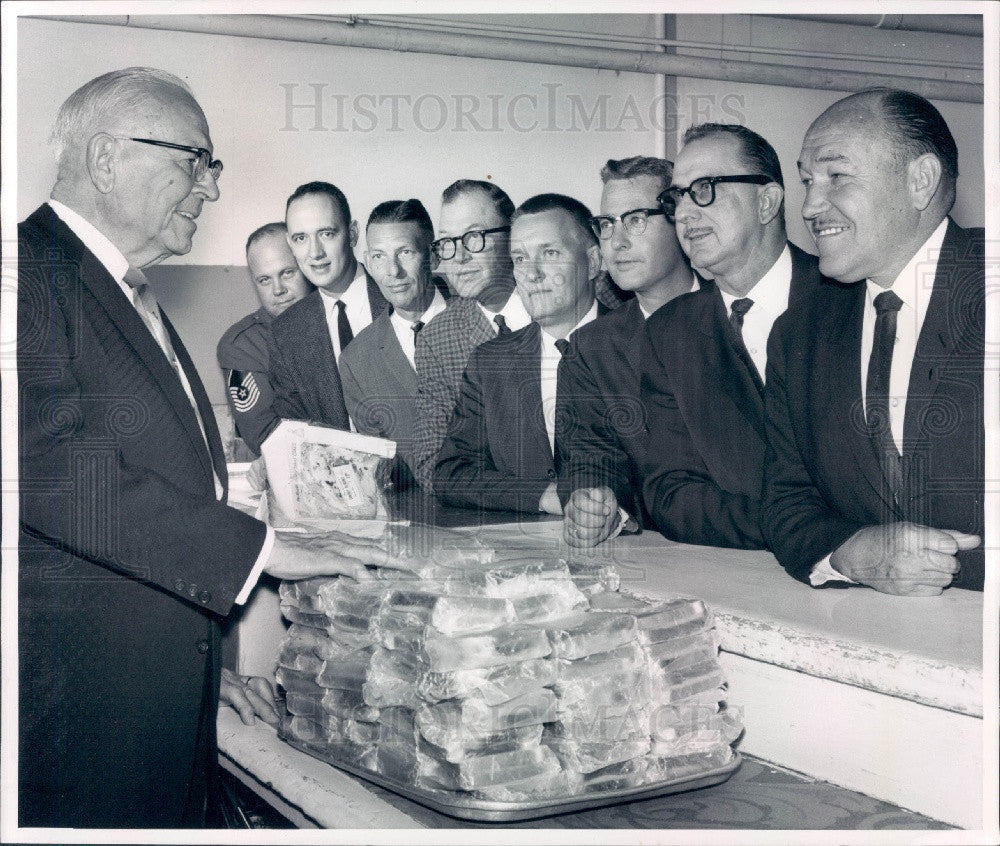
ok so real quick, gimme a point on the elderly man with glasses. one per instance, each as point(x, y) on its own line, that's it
point(128, 555)
point(704, 361)
point(599, 480)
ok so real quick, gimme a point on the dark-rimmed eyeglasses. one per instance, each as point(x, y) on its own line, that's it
point(202, 163)
point(474, 241)
point(702, 191)
point(634, 222)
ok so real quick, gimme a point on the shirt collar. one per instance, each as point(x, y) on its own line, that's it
point(695, 286)
point(94, 240)
point(513, 312)
point(770, 292)
point(435, 308)
point(353, 291)
point(591, 315)
point(916, 281)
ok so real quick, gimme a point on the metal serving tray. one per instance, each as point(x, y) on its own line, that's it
point(485, 810)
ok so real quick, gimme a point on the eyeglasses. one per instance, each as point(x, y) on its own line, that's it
point(702, 191)
point(474, 241)
point(202, 164)
point(634, 222)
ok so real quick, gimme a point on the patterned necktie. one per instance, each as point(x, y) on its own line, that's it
point(887, 304)
point(501, 322)
point(416, 327)
point(343, 326)
point(562, 345)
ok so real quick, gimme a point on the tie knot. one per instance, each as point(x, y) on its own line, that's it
point(340, 304)
point(887, 301)
point(562, 345)
point(741, 306)
point(417, 326)
point(135, 278)
point(501, 322)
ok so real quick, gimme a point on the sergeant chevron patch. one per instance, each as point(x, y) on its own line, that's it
point(243, 389)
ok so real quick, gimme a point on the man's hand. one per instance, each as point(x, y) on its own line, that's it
point(549, 503)
point(591, 515)
point(251, 696)
point(303, 555)
point(902, 558)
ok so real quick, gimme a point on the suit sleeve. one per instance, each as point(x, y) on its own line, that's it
point(798, 525)
point(466, 474)
point(681, 496)
point(288, 403)
point(436, 399)
point(591, 452)
point(78, 490)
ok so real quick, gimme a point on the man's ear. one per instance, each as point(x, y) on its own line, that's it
point(354, 233)
point(923, 178)
point(101, 162)
point(769, 200)
point(593, 261)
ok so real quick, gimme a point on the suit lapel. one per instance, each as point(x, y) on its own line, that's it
point(124, 316)
point(480, 329)
point(316, 340)
point(397, 368)
point(376, 301)
point(527, 385)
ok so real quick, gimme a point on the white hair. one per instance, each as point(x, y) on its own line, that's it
point(92, 104)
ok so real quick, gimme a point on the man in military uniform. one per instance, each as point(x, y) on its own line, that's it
point(242, 352)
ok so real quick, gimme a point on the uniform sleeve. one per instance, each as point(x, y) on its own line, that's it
point(251, 402)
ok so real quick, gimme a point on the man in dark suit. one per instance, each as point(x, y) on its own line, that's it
point(499, 452)
point(473, 251)
point(702, 383)
point(380, 382)
point(243, 350)
point(875, 461)
point(128, 554)
point(602, 421)
point(308, 339)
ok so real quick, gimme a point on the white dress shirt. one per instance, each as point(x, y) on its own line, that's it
point(117, 266)
point(356, 304)
point(549, 371)
point(513, 312)
point(404, 328)
point(770, 300)
point(913, 286)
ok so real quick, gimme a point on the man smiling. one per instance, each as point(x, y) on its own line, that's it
point(875, 467)
point(704, 364)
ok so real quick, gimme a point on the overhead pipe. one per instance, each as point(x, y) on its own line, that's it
point(942, 24)
point(348, 33)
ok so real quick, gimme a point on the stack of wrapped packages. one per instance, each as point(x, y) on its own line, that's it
point(525, 677)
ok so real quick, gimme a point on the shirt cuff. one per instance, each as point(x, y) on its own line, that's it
point(823, 572)
point(258, 568)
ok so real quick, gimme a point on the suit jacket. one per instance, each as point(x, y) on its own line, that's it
point(443, 349)
point(127, 559)
point(704, 457)
point(380, 388)
point(304, 370)
point(496, 454)
point(602, 423)
point(823, 481)
point(243, 356)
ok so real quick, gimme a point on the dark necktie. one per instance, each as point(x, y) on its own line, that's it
point(562, 345)
point(343, 326)
point(416, 327)
point(887, 304)
point(501, 322)
point(738, 309)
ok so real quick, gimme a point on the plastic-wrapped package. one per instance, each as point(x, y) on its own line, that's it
point(460, 615)
point(471, 746)
point(584, 634)
point(668, 650)
point(625, 602)
point(397, 662)
point(604, 688)
point(584, 757)
point(347, 673)
point(464, 721)
point(678, 767)
point(340, 703)
point(494, 684)
point(617, 705)
point(554, 600)
point(446, 547)
point(302, 593)
point(304, 662)
point(629, 656)
point(685, 682)
point(400, 630)
point(303, 731)
point(501, 646)
point(326, 727)
point(585, 572)
point(295, 614)
point(392, 680)
point(561, 783)
point(298, 681)
point(400, 720)
point(697, 655)
point(507, 579)
point(711, 730)
point(680, 618)
point(621, 776)
point(628, 727)
point(485, 771)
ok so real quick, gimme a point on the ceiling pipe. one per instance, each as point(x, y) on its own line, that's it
point(349, 33)
point(942, 24)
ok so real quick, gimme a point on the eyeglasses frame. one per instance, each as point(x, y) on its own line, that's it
point(665, 198)
point(436, 249)
point(620, 218)
point(201, 152)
